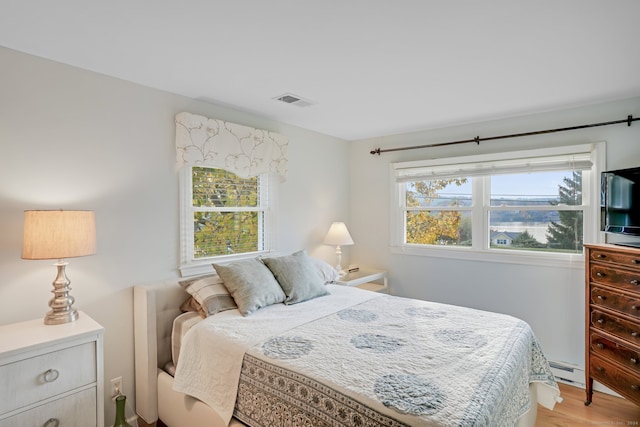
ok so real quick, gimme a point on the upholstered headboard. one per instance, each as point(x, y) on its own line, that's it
point(155, 307)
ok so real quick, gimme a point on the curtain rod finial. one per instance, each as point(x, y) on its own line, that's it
point(629, 119)
point(376, 151)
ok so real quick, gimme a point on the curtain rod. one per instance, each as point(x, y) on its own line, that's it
point(477, 139)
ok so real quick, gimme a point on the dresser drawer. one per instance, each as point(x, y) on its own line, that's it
point(626, 384)
point(621, 328)
point(43, 376)
point(616, 301)
point(76, 410)
point(613, 351)
point(621, 279)
point(609, 257)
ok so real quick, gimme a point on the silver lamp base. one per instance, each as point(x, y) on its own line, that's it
point(61, 303)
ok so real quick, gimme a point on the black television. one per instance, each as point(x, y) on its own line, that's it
point(620, 201)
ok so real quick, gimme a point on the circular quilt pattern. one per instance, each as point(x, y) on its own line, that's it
point(409, 394)
point(360, 316)
point(425, 312)
point(287, 347)
point(377, 343)
point(460, 338)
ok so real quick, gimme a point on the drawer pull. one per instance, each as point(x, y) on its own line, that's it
point(602, 297)
point(600, 345)
point(599, 369)
point(52, 422)
point(633, 360)
point(634, 387)
point(634, 334)
point(51, 375)
point(634, 282)
point(635, 261)
point(601, 256)
point(601, 321)
point(634, 307)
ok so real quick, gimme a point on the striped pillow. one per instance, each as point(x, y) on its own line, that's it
point(210, 293)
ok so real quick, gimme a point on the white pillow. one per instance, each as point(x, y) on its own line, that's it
point(327, 272)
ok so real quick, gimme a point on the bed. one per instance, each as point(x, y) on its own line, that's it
point(346, 357)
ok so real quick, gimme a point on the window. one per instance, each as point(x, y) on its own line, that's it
point(531, 203)
point(224, 215)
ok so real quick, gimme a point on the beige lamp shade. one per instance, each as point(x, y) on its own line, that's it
point(338, 235)
point(58, 234)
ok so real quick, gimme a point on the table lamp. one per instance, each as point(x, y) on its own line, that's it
point(338, 235)
point(59, 234)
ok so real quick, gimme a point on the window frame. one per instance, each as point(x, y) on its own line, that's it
point(480, 211)
point(189, 265)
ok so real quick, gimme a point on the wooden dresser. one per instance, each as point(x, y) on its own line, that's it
point(613, 319)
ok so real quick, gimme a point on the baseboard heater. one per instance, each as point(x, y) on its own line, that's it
point(567, 373)
point(574, 375)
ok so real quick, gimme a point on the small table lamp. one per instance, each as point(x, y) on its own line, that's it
point(58, 235)
point(338, 235)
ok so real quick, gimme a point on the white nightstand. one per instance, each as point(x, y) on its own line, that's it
point(52, 375)
point(371, 280)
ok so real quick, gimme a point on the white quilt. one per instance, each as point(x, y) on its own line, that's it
point(417, 362)
point(212, 351)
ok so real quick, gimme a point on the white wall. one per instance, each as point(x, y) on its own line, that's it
point(74, 139)
point(550, 299)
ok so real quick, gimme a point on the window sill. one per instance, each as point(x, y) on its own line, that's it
point(205, 266)
point(573, 261)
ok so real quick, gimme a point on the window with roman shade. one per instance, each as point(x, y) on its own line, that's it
point(534, 203)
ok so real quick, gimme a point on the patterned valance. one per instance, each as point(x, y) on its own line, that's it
point(240, 149)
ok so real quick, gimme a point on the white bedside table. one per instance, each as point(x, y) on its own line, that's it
point(371, 280)
point(52, 375)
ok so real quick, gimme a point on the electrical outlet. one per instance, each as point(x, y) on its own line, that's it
point(116, 386)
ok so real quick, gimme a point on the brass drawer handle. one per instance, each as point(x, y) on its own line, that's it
point(51, 375)
point(599, 274)
point(600, 345)
point(602, 297)
point(601, 321)
point(601, 256)
point(52, 422)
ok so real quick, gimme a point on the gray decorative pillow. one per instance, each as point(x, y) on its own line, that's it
point(251, 284)
point(297, 276)
point(209, 295)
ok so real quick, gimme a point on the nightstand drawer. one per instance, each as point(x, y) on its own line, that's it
point(43, 376)
point(76, 410)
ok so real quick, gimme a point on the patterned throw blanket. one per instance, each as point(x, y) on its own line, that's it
point(390, 361)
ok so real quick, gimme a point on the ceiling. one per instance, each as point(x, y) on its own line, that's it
point(370, 67)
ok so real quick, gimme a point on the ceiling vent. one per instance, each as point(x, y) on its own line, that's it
point(292, 99)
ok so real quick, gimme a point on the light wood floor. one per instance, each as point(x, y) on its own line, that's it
point(605, 410)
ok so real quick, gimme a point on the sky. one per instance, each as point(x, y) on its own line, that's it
point(531, 184)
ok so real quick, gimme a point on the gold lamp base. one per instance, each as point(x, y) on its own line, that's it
point(61, 303)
